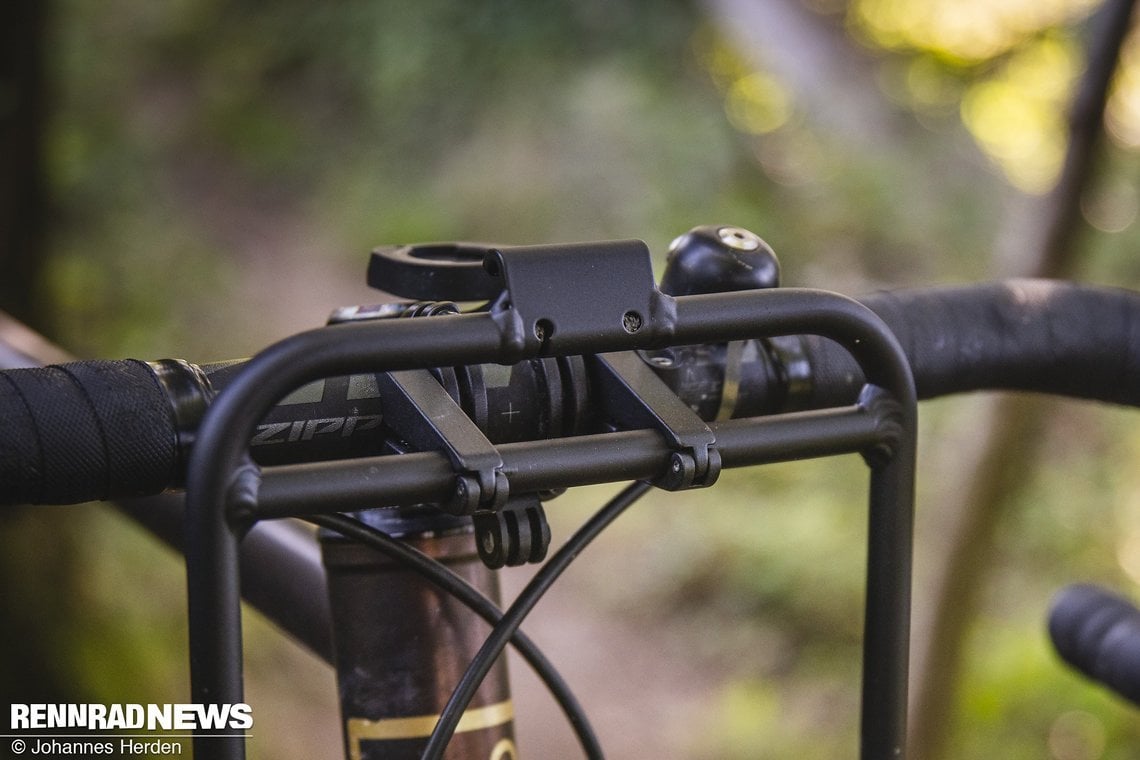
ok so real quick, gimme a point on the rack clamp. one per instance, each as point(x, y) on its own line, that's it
point(633, 396)
point(614, 302)
point(418, 408)
point(547, 299)
point(509, 530)
point(570, 299)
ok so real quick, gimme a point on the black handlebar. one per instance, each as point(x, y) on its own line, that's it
point(1098, 633)
point(85, 430)
point(109, 429)
point(1027, 335)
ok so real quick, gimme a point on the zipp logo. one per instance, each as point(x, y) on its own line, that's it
point(306, 430)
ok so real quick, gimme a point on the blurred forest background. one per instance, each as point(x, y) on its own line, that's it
point(197, 178)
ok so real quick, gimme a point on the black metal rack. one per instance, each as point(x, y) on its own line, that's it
point(614, 306)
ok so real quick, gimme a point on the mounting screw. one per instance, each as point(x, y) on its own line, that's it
point(739, 238)
point(543, 329)
point(465, 499)
point(631, 321)
point(682, 470)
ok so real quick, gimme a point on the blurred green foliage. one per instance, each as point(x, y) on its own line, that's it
point(186, 132)
point(212, 164)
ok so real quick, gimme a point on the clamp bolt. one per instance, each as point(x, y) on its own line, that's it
point(739, 238)
point(631, 322)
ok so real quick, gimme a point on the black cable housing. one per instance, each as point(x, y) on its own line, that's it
point(517, 612)
point(447, 580)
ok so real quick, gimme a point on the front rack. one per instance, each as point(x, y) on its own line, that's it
point(537, 316)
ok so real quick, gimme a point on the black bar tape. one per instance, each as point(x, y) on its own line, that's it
point(1030, 335)
point(84, 431)
point(1098, 633)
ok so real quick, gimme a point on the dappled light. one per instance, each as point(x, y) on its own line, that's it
point(961, 32)
point(1113, 206)
point(1011, 70)
point(1077, 735)
point(1018, 115)
point(1123, 115)
point(754, 101)
point(757, 104)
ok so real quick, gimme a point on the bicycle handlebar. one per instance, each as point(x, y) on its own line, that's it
point(85, 430)
point(1098, 633)
point(1028, 335)
point(108, 429)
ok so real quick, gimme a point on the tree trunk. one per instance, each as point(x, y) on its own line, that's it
point(37, 573)
point(22, 27)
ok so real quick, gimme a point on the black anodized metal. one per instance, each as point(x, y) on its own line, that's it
point(344, 349)
point(423, 477)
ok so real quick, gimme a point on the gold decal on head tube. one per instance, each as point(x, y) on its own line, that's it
point(420, 726)
point(504, 750)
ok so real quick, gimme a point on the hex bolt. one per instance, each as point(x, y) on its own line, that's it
point(739, 238)
point(631, 321)
point(543, 329)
